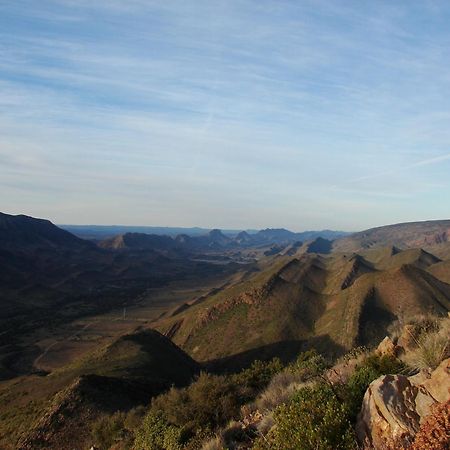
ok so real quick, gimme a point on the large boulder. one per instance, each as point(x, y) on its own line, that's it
point(395, 406)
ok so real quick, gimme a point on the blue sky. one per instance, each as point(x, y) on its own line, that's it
point(240, 113)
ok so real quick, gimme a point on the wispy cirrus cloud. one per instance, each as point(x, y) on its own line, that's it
point(308, 105)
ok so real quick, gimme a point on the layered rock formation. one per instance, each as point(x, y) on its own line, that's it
point(395, 407)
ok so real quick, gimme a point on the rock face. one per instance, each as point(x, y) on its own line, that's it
point(395, 406)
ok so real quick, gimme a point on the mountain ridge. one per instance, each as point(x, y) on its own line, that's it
point(21, 231)
point(342, 300)
point(403, 235)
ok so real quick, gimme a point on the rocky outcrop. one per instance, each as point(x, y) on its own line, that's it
point(387, 348)
point(341, 372)
point(395, 407)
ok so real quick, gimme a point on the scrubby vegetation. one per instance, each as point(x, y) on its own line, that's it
point(266, 406)
point(183, 418)
point(315, 418)
point(321, 415)
point(120, 427)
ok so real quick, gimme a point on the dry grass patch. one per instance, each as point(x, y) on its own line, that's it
point(432, 346)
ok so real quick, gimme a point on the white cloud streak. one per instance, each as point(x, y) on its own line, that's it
point(214, 102)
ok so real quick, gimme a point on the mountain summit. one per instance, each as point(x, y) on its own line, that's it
point(24, 232)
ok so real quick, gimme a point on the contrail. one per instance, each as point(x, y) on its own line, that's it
point(424, 162)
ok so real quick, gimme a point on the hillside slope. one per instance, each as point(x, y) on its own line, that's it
point(47, 272)
point(28, 233)
point(118, 377)
point(402, 235)
point(329, 302)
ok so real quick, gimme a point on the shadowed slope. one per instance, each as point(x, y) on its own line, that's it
point(22, 233)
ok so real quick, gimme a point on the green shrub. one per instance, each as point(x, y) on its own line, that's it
point(211, 401)
point(134, 417)
point(259, 374)
point(384, 365)
point(371, 368)
point(315, 419)
point(156, 433)
point(353, 392)
point(107, 430)
point(184, 418)
point(308, 364)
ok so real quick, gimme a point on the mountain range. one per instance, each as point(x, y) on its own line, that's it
point(331, 302)
point(102, 232)
point(211, 301)
point(212, 240)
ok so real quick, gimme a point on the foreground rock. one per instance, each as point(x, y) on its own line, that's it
point(395, 407)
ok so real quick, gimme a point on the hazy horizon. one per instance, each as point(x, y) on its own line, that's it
point(303, 115)
point(222, 228)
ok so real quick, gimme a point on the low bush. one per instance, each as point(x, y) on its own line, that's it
point(258, 375)
point(211, 401)
point(315, 419)
point(384, 364)
point(156, 433)
point(282, 387)
point(107, 430)
point(134, 417)
point(184, 418)
point(309, 364)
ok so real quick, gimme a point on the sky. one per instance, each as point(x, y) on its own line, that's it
point(232, 114)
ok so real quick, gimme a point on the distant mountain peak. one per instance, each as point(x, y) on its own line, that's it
point(27, 232)
point(216, 233)
point(320, 245)
point(138, 241)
